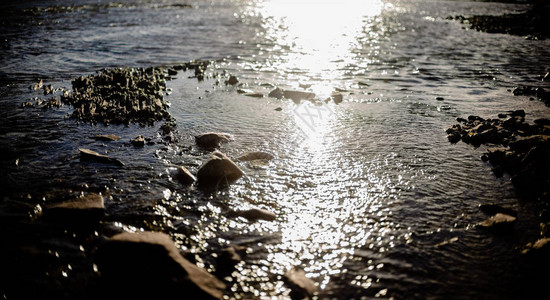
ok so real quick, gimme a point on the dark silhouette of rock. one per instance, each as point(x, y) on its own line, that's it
point(255, 214)
point(301, 286)
point(276, 93)
point(183, 176)
point(218, 171)
point(82, 209)
point(499, 223)
point(148, 265)
point(139, 141)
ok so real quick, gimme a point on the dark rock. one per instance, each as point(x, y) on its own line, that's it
point(278, 109)
point(543, 122)
point(37, 85)
point(27, 104)
point(232, 80)
point(499, 223)
point(227, 259)
point(83, 209)
point(106, 137)
point(337, 98)
point(183, 176)
point(298, 95)
point(139, 141)
point(301, 286)
point(87, 154)
point(253, 155)
point(212, 139)
point(254, 95)
point(439, 98)
point(218, 171)
point(148, 265)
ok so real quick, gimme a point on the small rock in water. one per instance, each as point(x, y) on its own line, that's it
point(302, 287)
point(228, 259)
point(254, 155)
point(244, 91)
point(439, 98)
point(106, 137)
point(499, 222)
point(278, 109)
point(232, 80)
point(212, 139)
point(139, 141)
point(48, 89)
point(87, 154)
point(493, 209)
point(184, 177)
point(37, 85)
point(298, 95)
point(254, 95)
point(337, 98)
point(255, 214)
point(218, 171)
point(149, 265)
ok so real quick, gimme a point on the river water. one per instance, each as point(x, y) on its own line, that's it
point(371, 199)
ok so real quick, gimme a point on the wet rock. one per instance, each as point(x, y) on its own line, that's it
point(337, 97)
point(255, 214)
point(218, 171)
point(439, 98)
point(83, 209)
point(298, 95)
point(120, 96)
point(301, 286)
point(139, 141)
point(499, 223)
point(244, 91)
point(183, 176)
point(27, 104)
point(89, 155)
point(148, 265)
point(48, 89)
point(446, 242)
point(106, 137)
point(254, 95)
point(276, 93)
point(254, 155)
point(212, 139)
point(539, 249)
point(232, 80)
point(278, 109)
point(37, 85)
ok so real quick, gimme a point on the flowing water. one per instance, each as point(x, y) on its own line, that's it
point(371, 199)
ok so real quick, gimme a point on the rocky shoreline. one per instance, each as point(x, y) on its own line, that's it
point(521, 151)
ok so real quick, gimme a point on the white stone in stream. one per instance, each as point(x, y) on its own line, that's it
point(218, 170)
point(148, 264)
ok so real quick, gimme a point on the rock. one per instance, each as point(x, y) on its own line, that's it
point(337, 98)
point(543, 122)
point(184, 177)
point(297, 95)
point(232, 80)
point(218, 171)
point(254, 155)
point(276, 93)
point(83, 209)
point(212, 139)
point(87, 154)
point(48, 89)
point(446, 242)
point(254, 95)
point(227, 259)
point(244, 91)
point(139, 141)
point(255, 214)
point(499, 222)
point(541, 248)
point(27, 104)
point(278, 109)
point(148, 265)
point(37, 85)
point(439, 98)
point(302, 287)
point(106, 137)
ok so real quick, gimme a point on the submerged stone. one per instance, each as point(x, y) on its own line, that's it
point(148, 264)
point(87, 154)
point(254, 155)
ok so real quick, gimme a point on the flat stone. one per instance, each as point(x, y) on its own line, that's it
point(106, 137)
point(87, 154)
point(149, 265)
point(499, 222)
point(255, 214)
point(298, 95)
point(253, 155)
